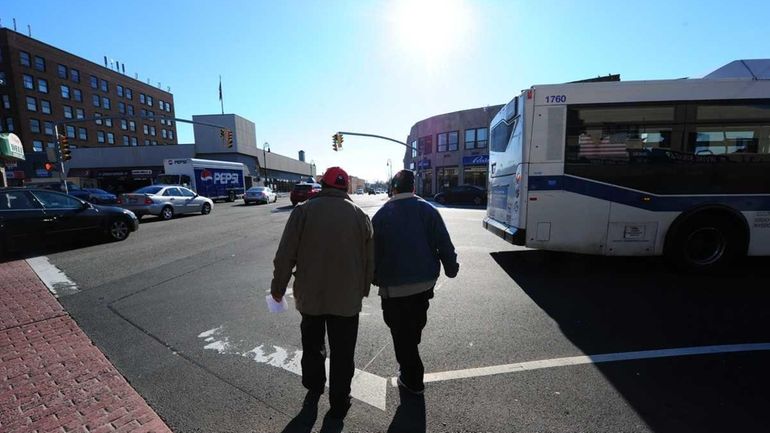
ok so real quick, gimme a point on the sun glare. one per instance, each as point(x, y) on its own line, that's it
point(430, 29)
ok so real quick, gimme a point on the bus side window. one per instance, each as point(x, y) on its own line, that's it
point(501, 135)
point(185, 180)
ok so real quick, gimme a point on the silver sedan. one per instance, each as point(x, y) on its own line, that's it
point(165, 201)
point(259, 194)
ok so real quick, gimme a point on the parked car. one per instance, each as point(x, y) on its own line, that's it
point(259, 194)
point(462, 194)
point(370, 191)
point(37, 214)
point(99, 196)
point(360, 191)
point(165, 201)
point(303, 191)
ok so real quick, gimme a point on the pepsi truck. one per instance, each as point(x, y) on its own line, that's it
point(217, 180)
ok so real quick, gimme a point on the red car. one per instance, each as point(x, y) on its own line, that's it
point(304, 191)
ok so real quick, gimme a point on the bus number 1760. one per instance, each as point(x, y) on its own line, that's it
point(558, 99)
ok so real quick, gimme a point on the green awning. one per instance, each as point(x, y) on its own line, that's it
point(10, 146)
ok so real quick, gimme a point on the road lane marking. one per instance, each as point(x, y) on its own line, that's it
point(590, 359)
point(57, 281)
point(366, 387)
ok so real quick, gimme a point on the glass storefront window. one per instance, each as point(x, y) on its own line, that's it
point(447, 177)
point(425, 183)
point(475, 176)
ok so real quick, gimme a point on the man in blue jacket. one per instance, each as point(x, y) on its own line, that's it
point(411, 243)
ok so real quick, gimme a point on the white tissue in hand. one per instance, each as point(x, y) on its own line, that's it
point(276, 307)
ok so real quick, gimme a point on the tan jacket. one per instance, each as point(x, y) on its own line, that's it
point(330, 241)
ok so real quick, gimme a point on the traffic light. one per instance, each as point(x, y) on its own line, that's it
point(222, 134)
point(334, 142)
point(49, 166)
point(339, 140)
point(229, 134)
point(64, 147)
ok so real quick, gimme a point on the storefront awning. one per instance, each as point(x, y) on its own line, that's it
point(10, 146)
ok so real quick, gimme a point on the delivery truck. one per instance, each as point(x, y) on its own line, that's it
point(217, 180)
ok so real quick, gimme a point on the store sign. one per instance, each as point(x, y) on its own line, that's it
point(10, 146)
point(425, 163)
point(476, 160)
point(41, 172)
point(141, 172)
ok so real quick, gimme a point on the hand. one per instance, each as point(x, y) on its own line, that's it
point(452, 270)
point(276, 297)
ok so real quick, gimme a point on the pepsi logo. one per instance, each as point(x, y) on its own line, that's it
point(206, 175)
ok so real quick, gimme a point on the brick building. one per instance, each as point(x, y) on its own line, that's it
point(41, 85)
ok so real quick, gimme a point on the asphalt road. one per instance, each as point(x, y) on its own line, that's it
point(179, 308)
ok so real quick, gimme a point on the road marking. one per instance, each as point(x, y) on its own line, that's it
point(366, 387)
point(590, 359)
point(57, 281)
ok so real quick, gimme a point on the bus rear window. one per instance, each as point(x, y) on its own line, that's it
point(501, 135)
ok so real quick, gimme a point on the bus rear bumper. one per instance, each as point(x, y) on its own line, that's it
point(513, 235)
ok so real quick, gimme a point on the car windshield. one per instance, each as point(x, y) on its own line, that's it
point(303, 187)
point(148, 190)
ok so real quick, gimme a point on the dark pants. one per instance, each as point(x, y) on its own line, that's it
point(406, 317)
point(343, 332)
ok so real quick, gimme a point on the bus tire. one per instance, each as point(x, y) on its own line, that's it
point(706, 241)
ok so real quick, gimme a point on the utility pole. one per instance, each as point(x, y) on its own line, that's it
point(264, 158)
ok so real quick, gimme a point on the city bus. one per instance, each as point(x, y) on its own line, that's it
point(675, 168)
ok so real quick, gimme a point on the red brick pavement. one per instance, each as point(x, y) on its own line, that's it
point(52, 377)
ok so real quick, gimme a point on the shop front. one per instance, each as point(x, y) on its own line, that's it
point(424, 181)
point(117, 181)
point(476, 170)
point(447, 177)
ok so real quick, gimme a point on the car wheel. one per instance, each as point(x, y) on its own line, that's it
point(118, 229)
point(275, 199)
point(477, 201)
point(231, 196)
point(167, 213)
point(205, 209)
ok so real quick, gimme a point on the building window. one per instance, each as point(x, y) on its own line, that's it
point(144, 112)
point(9, 124)
point(104, 85)
point(146, 142)
point(82, 134)
point(45, 106)
point(96, 100)
point(123, 124)
point(447, 177)
point(62, 71)
point(129, 94)
point(31, 103)
point(108, 123)
point(152, 131)
point(94, 82)
point(77, 95)
point(6, 102)
point(163, 133)
point(133, 141)
point(67, 112)
point(97, 119)
point(146, 129)
point(40, 63)
point(70, 131)
point(122, 107)
point(119, 89)
point(448, 141)
point(75, 75)
point(2, 78)
point(110, 138)
point(149, 100)
point(142, 99)
point(34, 126)
point(154, 142)
point(100, 136)
point(160, 104)
point(132, 126)
point(425, 145)
point(79, 113)
point(106, 103)
point(48, 128)
point(152, 115)
point(42, 85)
point(130, 110)
point(170, 135)
point(476, 138)
point(168, 107)
point(126, 140)
point(24, 58)
point(65, 91)
point(29, 82)
point(37, 146)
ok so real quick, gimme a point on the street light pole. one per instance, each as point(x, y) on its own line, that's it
point(266, 145)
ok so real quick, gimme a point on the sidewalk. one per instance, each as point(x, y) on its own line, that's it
point(52, 378)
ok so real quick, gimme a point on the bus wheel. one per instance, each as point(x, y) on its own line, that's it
point(707, 241)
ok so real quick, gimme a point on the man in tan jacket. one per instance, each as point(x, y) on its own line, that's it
point(330, 242)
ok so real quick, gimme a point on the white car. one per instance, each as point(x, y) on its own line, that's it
point(260, 194)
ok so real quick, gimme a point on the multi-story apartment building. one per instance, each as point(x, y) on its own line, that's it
point(41, 86)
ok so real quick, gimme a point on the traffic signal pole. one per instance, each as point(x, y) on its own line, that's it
point(62, 176)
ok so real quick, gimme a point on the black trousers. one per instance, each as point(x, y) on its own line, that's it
point(343, 332)
point(406, 317)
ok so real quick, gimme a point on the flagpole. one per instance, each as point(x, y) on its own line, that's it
point(221, 100)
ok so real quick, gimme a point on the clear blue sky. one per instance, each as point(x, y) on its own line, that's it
point(301, 70)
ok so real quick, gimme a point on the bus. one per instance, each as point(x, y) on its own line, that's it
point(675, 168)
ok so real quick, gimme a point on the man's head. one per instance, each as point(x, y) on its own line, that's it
point(335, 177)
point(403, 181)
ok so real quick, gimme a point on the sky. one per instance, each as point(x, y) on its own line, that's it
point(303, 70)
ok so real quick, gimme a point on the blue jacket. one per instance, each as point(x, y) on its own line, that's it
point(410, 239)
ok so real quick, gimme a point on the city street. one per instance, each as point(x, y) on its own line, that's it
point(520, 341)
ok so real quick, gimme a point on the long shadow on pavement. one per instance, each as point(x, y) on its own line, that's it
point(410, 414)
point(608, 305)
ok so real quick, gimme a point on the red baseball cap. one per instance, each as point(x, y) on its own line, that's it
point(336, 177)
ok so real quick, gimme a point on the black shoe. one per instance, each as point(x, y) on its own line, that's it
point(413, 390)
